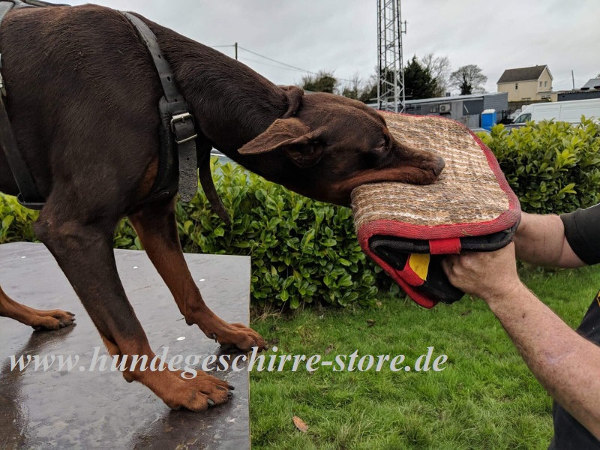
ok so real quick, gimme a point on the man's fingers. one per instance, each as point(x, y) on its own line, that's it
point(448, 264)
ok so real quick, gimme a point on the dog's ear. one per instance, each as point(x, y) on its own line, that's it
point(290, 135)
point(282, 132)
point(294, 95)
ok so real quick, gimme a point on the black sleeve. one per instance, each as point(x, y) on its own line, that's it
point(582, 230)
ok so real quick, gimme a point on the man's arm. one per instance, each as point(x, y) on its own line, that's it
point(566, 364)
point(541, 240)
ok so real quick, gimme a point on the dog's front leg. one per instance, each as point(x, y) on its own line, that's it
point(36, 318)
point(83, 250)
point(157, 229)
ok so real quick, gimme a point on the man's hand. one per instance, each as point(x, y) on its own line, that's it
point(489, 275)
point(493, 275)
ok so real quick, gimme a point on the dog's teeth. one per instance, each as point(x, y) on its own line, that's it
point(210, 402)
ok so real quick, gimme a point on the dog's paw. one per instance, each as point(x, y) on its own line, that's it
point(239, 336)
point(200, 393)
point(51, 320)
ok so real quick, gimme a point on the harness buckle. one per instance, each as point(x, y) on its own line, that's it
point(183, 135)
point(30, 204)
point(2, 85)
point(180, 118)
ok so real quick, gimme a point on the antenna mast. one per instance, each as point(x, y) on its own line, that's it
point(390, 87)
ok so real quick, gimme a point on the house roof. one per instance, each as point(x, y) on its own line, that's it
point(594, 83)
point(522, 74)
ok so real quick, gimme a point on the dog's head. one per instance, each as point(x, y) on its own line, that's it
point(327, 145)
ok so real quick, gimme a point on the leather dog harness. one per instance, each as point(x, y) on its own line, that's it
point(178, 134)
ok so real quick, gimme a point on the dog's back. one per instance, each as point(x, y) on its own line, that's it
point(70, 75)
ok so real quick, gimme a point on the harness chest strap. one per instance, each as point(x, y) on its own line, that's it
point(182, 126)
point(181, 122)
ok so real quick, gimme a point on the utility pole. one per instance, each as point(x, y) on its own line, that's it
point(236, 50)
point(573, 78)
point(390, 87)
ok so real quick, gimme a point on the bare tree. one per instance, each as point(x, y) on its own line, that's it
point(321, 82)
point(439, 68)
point(353, 87)
point(468, 79)
point(368, 94)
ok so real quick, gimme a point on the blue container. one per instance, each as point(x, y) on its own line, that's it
point(488, 119)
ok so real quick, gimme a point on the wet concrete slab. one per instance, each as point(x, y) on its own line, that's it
point(92, 409)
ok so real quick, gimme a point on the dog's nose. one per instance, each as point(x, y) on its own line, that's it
point(438, 166)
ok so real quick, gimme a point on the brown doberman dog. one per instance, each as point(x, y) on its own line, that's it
point(82, 97)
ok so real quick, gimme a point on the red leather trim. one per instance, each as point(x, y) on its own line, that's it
point(420, 299)
point(396, 276)
point(444, 246)
point(409, 275)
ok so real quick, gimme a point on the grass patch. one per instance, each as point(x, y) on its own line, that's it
point(485, 398)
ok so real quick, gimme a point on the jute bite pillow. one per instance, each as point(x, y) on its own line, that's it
point(405, 228)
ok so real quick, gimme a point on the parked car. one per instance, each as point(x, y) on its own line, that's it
point(569, 111)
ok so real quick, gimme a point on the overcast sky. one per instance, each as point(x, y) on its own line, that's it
point(341, 35)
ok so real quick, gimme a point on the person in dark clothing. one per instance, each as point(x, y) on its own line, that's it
point(565, 362)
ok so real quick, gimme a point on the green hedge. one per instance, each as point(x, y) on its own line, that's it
point(302, 251)
point(17, 222)
point(553, 167)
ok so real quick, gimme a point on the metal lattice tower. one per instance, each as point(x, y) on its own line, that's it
point(390, 88)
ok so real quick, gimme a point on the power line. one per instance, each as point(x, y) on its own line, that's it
point(275, 61)
point(244, 58)
point(286, 66)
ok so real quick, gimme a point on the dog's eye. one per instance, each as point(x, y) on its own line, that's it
point(319, 143)
point(384, 145)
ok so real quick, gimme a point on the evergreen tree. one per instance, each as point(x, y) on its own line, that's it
point(369, 93)
point(418, 82)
